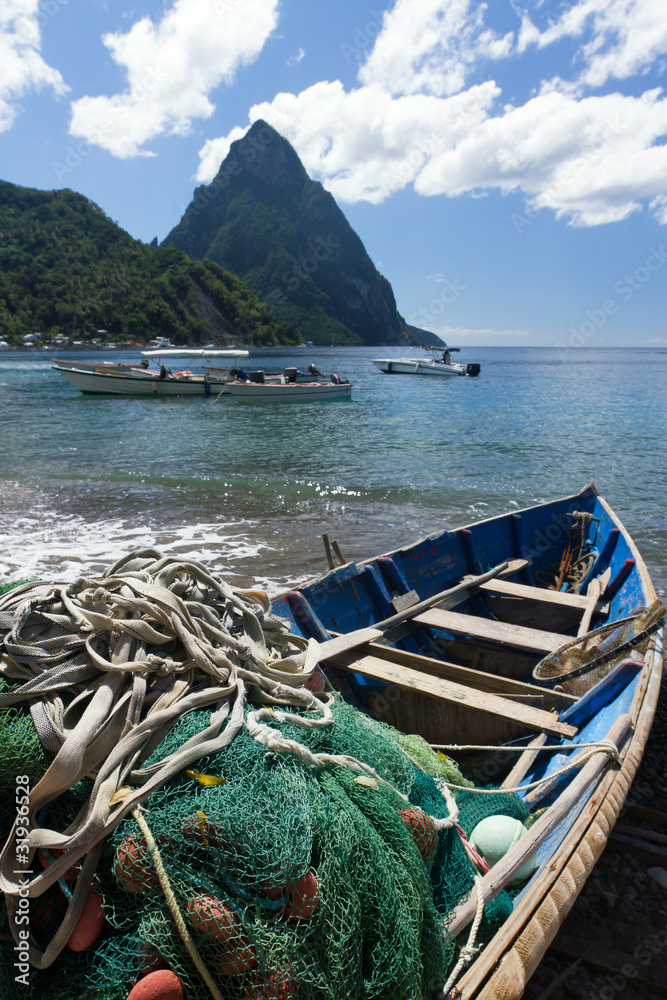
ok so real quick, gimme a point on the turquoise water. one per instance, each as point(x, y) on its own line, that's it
point(250, 489)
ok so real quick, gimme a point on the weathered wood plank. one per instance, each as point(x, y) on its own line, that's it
point(577, 601)
point(592, 598)
point(479, 679)
point(492, 631)
point(406, 678)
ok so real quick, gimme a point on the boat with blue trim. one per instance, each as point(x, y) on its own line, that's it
point(528, 647)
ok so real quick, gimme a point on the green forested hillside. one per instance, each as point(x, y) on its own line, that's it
point(65, 267)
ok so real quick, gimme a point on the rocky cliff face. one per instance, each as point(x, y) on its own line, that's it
point(265, 220)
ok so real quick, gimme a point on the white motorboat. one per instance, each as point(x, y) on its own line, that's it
point(439, 363)
point(140, 380)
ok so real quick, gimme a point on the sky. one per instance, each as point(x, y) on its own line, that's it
point(505, 164)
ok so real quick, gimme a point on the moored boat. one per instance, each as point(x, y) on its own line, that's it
point(529, 648)
point(287, 388)
point(141, 380)
point(505, 673)
point(439, 363)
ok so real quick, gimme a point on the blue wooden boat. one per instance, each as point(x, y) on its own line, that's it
point(517, 644)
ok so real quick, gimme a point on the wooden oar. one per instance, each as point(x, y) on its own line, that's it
point(350, 640)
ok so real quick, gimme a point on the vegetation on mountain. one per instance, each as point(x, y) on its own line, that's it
point(265, 220)
point(66, 268)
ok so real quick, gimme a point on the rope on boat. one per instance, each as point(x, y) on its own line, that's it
point(468, 951)
point(109, 665)
point(174, 909)
point(576, 559)
point(605, 746)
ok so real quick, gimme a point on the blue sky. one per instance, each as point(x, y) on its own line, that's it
point(505, 164)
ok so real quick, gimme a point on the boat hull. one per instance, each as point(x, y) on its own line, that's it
point(288, 392)
point(137, 383)
point(409, 366)
point(441, 678)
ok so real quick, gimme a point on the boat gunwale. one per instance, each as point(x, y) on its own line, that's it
point(509, 959)
point(541, 911)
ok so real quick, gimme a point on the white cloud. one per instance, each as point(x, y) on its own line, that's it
point(623, 37)
point(589, 158)
point(22, 68)
point(293, 60)
point(172, 68)
point(429, 46)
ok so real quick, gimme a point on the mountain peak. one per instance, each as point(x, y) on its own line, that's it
point(264, 154)
point(265, 220)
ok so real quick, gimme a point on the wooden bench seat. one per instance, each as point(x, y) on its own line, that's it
point(460, 697)
point(574, 601)
point(492, 631)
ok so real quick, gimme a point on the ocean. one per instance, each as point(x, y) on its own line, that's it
point(250, 489)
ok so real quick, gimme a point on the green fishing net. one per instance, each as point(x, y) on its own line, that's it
point(293, 880)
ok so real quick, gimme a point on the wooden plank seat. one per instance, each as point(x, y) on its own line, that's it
point(481, 680)
point(459, 696)
point(574, 601)
point(492, 631)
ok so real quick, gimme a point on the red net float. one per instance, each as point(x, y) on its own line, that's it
point(237, 958)
point(212, 917)
point(303, 898)
point(198, 828)
point(160, 985)
point(133, 868)
point(90, 924)
point(422, 829)
point(275, 985)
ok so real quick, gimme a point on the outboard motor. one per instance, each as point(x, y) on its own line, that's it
point(473, 369)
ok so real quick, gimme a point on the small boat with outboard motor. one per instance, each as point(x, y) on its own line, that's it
point(142, 380)
point(291, 386)
point(439, 362)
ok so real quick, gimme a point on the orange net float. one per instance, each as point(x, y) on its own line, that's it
point(133, 868)
point(90, 924)
point(422, 829)
point(212, 917)
point(160, 985)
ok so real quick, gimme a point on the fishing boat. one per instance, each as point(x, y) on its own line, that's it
point(529, 648)
point(142, 380)
point(291, 386)
point(439, 362)
point(391, 781)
